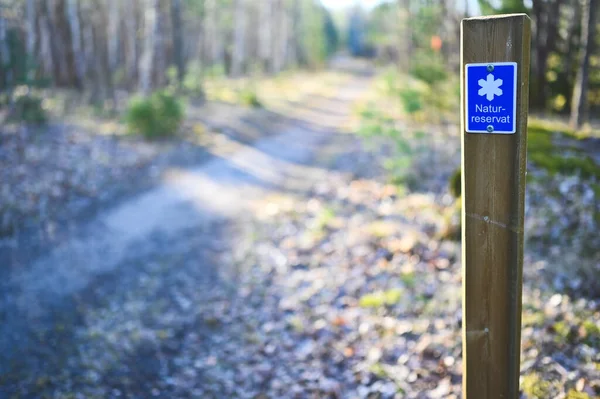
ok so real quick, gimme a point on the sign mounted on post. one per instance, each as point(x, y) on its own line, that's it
point(495, 57)
point(491, 97)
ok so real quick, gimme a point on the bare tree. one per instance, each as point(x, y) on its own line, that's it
point(579, 103)
point(4, 52)
point(84, 43)
point(213, 37)
point(238, 55)
point(114, 24)
point(131, 27)
point(266, 34)
point(160, 46)
point(280, 39)
point(546, 16)
point(178, 39)
point(31, 13)
point(75, 28)
point(404, 35)
point(151, 9)
point(45, 46)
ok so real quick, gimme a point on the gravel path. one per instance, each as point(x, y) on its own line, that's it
point(137, 276)
point(286, 268)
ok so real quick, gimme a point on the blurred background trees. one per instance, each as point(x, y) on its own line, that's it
point(143, 45)
point(565, 75)
point(100, 45)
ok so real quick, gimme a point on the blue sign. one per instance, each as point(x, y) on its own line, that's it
point(491, 97)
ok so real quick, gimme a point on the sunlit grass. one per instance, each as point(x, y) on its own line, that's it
point(381, 298)
point(274, 91)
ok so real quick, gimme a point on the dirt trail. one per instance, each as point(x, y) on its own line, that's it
point(48, 307)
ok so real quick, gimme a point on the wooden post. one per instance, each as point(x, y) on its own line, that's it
point(493, 187)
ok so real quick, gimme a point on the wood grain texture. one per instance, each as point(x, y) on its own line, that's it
point(493, 186)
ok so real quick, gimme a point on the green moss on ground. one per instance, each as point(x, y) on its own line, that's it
point(380, 298)
point(534, 386)
point(566, 158)
point(556, 151)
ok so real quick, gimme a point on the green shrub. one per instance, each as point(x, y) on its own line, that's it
point(249, 98)
point(429, 68)
point(390, 82)
point(193, 84)
point(172, 76)
point(401, 146)
point(544, 153)
point(411, 100)
point(3, 100)
point(159, 115)
point(28, 108)
point(443, 98)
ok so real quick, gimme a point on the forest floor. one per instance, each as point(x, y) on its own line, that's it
point(261, 254)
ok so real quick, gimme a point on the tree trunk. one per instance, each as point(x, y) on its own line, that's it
point(150, 30)
point(131, 59)
point(31, 37)
point(572, 47)
point(57, 42)
point(281, 37)
point(239, 38)
point(546, 23)
point(75, 28)
point(160, 47)
point(579, 103)
point(213, 37)
point(265, 34)
point(4, 55)
point(178, 54)
point(404, 36)
point(91, 79)
point(114, 24)
point(294, 16)
point(102, 19)
point(200, 52)
point(45, 50)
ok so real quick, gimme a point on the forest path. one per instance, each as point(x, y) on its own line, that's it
point(123, 261)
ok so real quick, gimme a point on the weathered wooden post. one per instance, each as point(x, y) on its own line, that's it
point(495, 91)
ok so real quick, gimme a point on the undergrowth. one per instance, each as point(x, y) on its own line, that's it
point(159, 115)
point(568, 158)
point(27, 107)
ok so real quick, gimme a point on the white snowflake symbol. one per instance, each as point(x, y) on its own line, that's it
point(490, 87)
